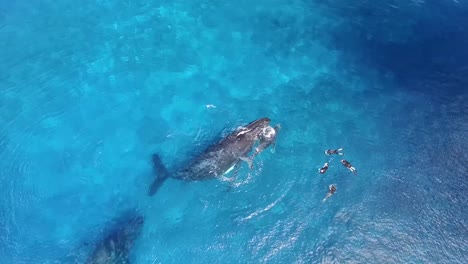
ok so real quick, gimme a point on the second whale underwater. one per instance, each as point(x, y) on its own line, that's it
point(214, 161)
point(118, 241)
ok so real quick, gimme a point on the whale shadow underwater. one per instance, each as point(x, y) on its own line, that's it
point(220, 157)
point(118, 240)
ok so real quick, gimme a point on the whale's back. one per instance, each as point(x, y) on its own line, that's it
point(216, 159)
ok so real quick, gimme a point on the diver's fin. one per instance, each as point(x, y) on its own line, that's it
point(326, 197)
point(249, 161)
point(340, 151)
point(161, 174)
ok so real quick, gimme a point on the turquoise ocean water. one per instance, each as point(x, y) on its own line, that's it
point(89, 90)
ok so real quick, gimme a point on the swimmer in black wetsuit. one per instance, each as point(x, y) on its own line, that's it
point(331, 191)
point(349, 166)
point(324, 168)
point(336, 151)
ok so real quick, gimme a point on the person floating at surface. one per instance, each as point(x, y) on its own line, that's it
point(349, 166)
point(324, 168)
point(336, 151)
point(331, 191)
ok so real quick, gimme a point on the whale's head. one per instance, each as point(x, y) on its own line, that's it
point(253, 130)
point(132, 229)
point(259, 124)
point(119, 238)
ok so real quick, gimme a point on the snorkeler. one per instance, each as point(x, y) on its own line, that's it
point(336, 151)
point(349, 166)
point(331, 191)
point(324, 168)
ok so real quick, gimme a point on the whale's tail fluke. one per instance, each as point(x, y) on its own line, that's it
point(161, 175)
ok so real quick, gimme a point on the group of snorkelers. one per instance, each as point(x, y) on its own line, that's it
point(347, 164)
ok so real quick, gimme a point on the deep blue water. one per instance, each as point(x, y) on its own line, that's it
point(90, 89)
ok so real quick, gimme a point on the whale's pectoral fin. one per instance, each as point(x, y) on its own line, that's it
point(235, 174)
point(273, 147)
point(273, 144)
point(249, 161)
point(161, 174)
point(237, 168)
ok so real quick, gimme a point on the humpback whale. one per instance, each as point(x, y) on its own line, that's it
point(114, 248)
point(215, 160)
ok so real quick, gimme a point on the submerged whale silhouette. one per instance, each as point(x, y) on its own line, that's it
point(115, 247)
point(215, 160)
